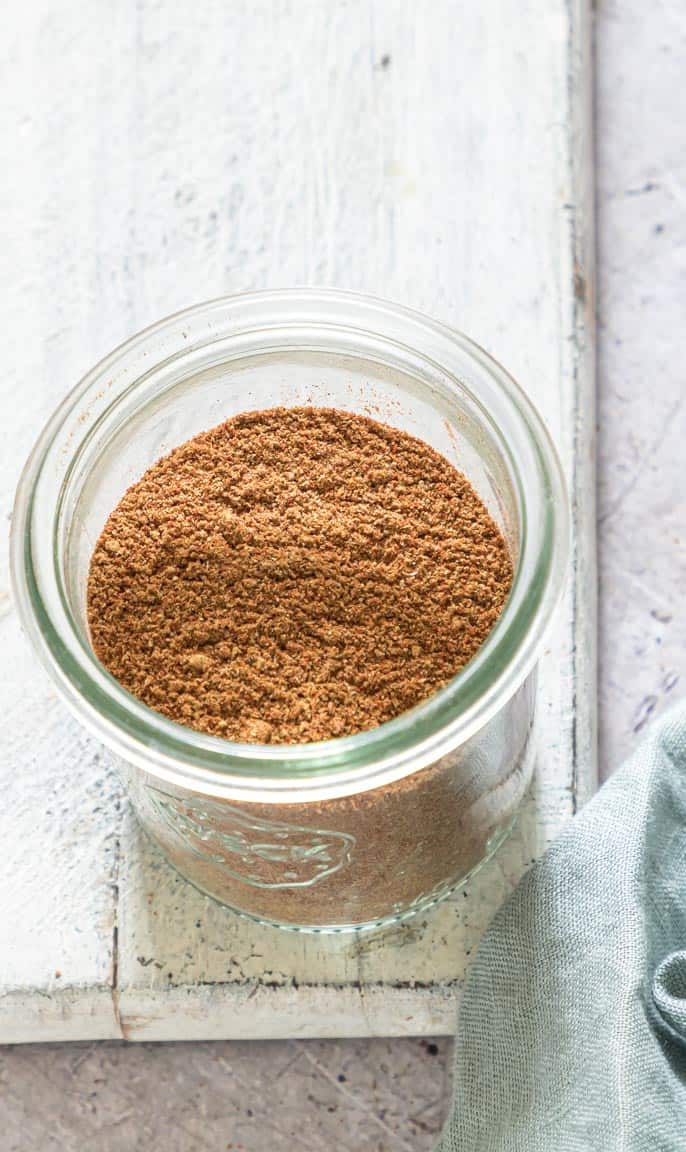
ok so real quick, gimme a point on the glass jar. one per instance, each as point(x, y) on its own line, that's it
point(350, 832)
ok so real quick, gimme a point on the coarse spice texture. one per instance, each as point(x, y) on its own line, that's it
point(354, 859)
point(295, 575)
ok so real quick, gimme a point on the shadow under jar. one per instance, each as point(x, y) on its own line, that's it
point(347, 833)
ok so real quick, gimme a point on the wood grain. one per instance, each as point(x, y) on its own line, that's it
point(437, 155)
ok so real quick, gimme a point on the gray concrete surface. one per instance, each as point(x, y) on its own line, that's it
point(641, 219)
point(381, 1095)
point(244, 1097)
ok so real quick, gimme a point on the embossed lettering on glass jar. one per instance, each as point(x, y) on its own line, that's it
point(348, 832)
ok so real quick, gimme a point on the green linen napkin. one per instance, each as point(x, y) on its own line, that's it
point(572, 1028)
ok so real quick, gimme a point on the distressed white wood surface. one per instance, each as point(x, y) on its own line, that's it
point(437, 155)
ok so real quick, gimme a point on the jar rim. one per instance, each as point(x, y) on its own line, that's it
point(253, 772)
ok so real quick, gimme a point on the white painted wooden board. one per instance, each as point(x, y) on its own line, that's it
point(434, 154)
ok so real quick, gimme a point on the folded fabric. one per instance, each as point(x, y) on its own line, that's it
point(572, 1027)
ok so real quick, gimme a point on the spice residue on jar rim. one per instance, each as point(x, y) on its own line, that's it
point(295, 575)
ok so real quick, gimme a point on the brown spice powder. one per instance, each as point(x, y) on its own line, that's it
point(295, 575)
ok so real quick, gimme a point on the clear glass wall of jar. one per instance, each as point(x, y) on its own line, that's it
point(350, 832)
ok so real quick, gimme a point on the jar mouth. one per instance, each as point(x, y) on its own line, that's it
point(283, 773)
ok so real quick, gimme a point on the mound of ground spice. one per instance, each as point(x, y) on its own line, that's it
point(295, 575)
